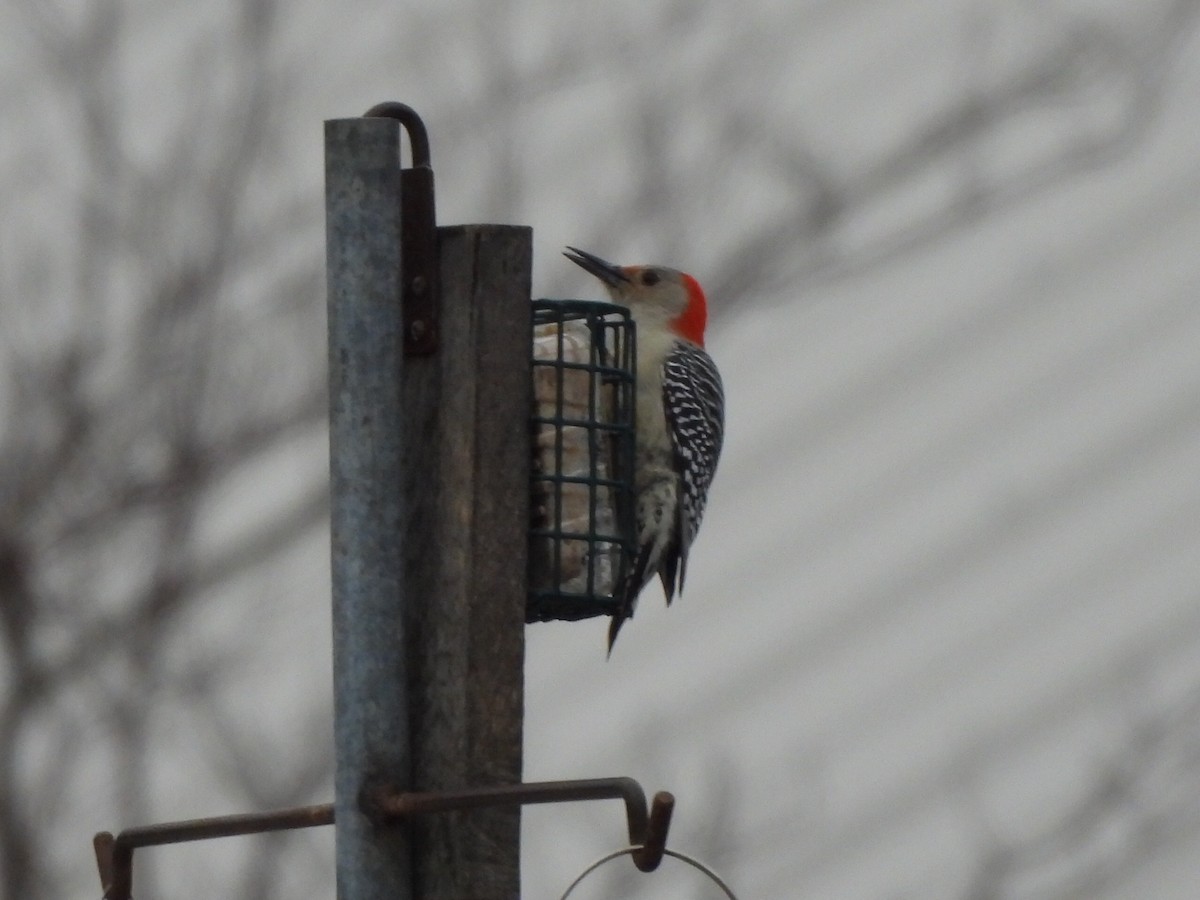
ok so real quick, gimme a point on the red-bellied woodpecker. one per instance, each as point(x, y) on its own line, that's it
point(680, 419)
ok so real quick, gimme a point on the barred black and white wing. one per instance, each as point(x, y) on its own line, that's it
point(673, 480)
point(694, 403)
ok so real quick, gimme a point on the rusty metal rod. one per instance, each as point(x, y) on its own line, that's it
point(647, 828)
point(114, 856)
point(654, 840)
point(418, 137)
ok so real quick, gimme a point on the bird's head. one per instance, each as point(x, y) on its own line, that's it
point(653, 294)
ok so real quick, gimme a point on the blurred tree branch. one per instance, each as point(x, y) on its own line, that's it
point(137, 379)
point(1143, 799)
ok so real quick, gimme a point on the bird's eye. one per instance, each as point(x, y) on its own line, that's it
point(650, 278)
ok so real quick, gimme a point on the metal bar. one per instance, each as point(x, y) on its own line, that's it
point(418, 137)
point(386, 806)
point(419, 237)
point(225, 826)
point(367, 509)
point(114, 856)
point(646, 828)
point(103, 843)
point(654, 840)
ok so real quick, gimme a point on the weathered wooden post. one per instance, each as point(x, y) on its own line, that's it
point(430, 480)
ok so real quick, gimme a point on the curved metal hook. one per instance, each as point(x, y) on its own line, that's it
point(647, 829)
point(418, 137)
point(654, 839)
point(418, 233)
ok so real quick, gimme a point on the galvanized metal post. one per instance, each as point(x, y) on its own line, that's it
point(370, 666)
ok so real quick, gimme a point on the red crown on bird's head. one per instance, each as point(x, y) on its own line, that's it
point(694, 318)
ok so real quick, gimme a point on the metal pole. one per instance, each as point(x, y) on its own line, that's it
point(370, 668)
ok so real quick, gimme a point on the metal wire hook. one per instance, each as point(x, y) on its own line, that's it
point(674, 854)
point(418, 137)
point(418, 233)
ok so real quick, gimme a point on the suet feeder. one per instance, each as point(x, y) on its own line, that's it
point(581, 529)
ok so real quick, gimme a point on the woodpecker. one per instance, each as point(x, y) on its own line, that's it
point(680, 419)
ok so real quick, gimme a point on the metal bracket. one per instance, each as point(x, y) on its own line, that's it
point(647, 828)
point(385, 806)
point(418, 234)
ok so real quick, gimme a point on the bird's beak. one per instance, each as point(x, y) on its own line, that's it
point(605, 271)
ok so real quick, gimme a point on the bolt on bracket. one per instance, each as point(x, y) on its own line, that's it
point(418, 233)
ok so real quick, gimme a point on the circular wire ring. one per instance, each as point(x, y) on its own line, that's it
point(625, 851)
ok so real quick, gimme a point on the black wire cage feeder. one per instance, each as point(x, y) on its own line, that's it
point(582, 510)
